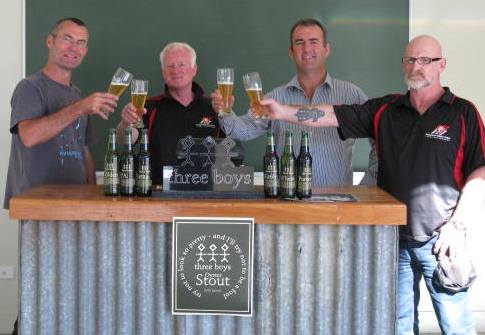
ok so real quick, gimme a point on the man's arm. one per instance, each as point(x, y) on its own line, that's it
point(40, 130)
point(312, 116)
point(472, 197)
point(129, 116)
point(245, 127)
point(91, 171)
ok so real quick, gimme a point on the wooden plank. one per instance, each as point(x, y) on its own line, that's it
point(87, 203)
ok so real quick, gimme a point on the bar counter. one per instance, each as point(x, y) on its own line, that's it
point(91, 264)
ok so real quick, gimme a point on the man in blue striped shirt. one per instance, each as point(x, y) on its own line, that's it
point(312, 85)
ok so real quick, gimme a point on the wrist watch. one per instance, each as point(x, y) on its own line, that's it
point(458, 224)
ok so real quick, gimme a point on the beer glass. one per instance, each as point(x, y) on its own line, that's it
point(225, 84)
point(120, 81)
point(254, 90)
point(139, 92)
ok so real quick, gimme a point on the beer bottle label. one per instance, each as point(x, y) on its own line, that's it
point(127, 176)
point(271, 176)
point(305, 179)
point(288, 180)
point(111, 174)
point(143, 177)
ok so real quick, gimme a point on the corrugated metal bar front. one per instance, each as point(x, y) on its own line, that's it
point(114, 278)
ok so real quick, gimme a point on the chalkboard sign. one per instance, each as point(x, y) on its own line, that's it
point(367, 40)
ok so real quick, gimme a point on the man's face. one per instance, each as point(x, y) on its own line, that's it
point(178, 71)
point(308, 49)
point(418, 76)
point(68, 46)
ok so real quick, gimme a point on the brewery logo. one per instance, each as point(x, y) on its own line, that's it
point(205, 122)
point(211, 268)
point(439, 133)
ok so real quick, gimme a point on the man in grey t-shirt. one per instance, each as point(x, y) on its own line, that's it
point(332, 157)
point(49, 121)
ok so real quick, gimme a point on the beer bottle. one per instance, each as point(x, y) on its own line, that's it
point(304, 168)
point(143, 182)
point(271, 168)
point(127, 167)
point(111, 179)
point(288, 168)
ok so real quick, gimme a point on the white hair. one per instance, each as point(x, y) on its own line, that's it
point(177, 46)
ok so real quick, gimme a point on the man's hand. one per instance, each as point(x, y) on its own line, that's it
point(101, 104)
point(276, 111)
point(129, 114)
point(451, 241)
point(218, 102)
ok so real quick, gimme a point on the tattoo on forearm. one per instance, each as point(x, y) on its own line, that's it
point(309, 113)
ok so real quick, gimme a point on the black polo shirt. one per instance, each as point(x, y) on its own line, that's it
point(168, 120)
point(424, 160)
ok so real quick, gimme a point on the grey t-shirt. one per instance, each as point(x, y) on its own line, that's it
point(60, 160)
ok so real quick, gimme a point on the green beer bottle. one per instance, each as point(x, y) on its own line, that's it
point(271, 168)
point(127, 167)
point(304, 168)
point(143, 178)
point(288, 168)
point(111, 178)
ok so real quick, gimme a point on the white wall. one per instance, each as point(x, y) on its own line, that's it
point(11, 71)
point(460, 27)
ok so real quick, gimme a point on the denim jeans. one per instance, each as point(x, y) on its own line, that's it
point(416, 260)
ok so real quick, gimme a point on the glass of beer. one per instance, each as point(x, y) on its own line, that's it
point(225, 83)
point(254, 90)
point(120, 81)
point(139, 92)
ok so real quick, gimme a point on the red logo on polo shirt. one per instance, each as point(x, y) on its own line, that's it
point(205, 122)
point(439, 133)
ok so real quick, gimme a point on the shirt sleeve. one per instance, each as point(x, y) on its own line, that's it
point(474, 151)
point(356, 121)
point(27, 103)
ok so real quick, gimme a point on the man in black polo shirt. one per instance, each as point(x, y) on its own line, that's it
point(431, 151)
point(181, 110)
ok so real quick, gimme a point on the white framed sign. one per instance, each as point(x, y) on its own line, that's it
point(212, 265)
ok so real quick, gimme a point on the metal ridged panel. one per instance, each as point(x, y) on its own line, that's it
point(114, 278)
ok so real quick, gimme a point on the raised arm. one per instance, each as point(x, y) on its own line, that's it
point(40, 130)
point(312, 116)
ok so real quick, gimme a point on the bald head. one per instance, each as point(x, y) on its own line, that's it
point(423, 46)
point(423, 63)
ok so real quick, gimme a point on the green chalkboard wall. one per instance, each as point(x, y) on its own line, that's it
point(367, 40)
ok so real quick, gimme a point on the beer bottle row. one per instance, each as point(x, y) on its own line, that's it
point(296, 174)
point(125, 174)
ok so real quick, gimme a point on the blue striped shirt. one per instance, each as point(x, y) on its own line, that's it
point(332, 157)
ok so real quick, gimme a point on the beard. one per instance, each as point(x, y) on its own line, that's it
point(415, 83)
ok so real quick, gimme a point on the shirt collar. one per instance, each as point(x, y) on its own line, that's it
point(296, 84)
point(196, 89)
point(446, 98)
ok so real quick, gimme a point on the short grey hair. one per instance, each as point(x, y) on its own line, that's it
point(177, 46)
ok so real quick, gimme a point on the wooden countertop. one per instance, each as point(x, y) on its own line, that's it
point(87, 203)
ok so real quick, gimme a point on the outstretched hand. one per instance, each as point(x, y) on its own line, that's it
point(101, 104)
point(218, 102)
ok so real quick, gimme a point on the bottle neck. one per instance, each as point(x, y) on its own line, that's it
point(305, 147)
point(270, 147)
point(112, 142)
point(128, 144)
point(288, 145)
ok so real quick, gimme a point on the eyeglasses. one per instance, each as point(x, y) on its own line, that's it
point(420, 60)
